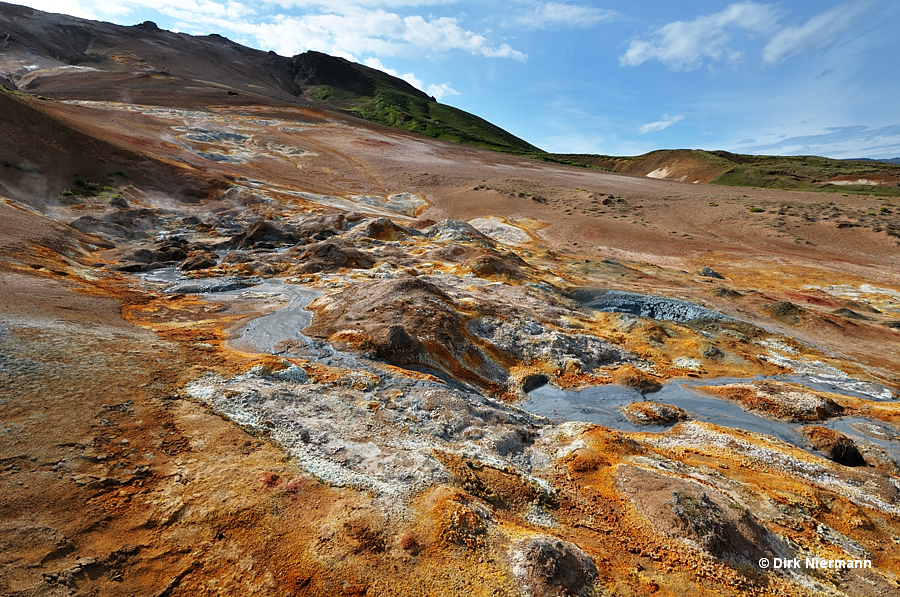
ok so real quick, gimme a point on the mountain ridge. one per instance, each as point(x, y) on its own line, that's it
point(46, 46)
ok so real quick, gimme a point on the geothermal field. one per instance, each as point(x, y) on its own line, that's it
point(253, 345)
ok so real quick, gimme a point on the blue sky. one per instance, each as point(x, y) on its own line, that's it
point(616, 77)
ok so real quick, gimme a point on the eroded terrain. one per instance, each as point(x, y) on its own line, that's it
point(271, 349)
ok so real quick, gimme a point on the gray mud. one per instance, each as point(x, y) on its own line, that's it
point(602, 405)
point(642, 305)
point(263, 333)
point(210, 285)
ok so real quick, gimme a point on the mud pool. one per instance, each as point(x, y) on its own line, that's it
point(262, 333)
point(603, 405)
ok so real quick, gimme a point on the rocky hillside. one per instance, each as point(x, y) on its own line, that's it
point(48, 54)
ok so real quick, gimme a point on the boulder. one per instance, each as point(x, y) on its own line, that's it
point(835, 445)
point(547, 566)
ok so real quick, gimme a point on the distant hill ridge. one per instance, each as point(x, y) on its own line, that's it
point(800, 173)
point(143, 63)
point(884, 160)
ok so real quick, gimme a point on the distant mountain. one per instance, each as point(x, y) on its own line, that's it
point(67, 58)
point(883, 160)
point(801, 173)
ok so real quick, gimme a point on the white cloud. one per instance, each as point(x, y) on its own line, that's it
point(663, 123)
point(69, 7)
point(408, 77)
point(342, 28)
point(361, 31)
point(556, 14)
point(441, 91)
point(685, 45)
point(818, 32)
point(339, 5)
point(436, 91)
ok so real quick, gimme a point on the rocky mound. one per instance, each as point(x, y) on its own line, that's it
point(416, 322)
point(652, 307)
point(778, 400)
point(701, 515)
point(552, 567)
point(835, 445)
point(654, 413)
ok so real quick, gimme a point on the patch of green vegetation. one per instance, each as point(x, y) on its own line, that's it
point(376, 96)
point(804, 173)
point(83, 188)
point(757, 210)
point(439, 121)
point(799, 173)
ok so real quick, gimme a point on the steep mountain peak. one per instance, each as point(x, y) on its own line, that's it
point(312, 69)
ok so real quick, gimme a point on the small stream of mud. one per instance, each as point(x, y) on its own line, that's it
point(603, 405)
point(261, 334)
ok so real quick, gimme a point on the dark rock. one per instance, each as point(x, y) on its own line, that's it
point(262, 232)
point(533, 382)
point(138, 218)
point(165, 252)
point(331, 256)
point(708, 272)
point(654, 307)
point(92, 225)
point(851, 314)
point(453, 252)
point(711, 352)
point(654, 413)
point(835, 445)
point(630, 376)
point(237, 257)
point(321, 228)
point(120, 202)
point(546, 566)
point(209, 285)
point(383, 229)
point(132, 267)
point(493, 266)
point(726, 293)
point(393, 343)
point(196, 262)
point(785, 311)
